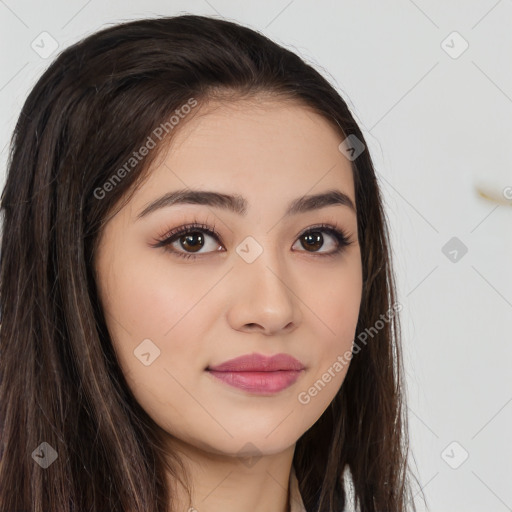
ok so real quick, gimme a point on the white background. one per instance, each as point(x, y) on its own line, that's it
point(437, 127)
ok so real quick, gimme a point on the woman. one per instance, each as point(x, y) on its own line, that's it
point(198, 302)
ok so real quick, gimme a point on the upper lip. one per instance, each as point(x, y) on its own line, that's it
point(259, 363)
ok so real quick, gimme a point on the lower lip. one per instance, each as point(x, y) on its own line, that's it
point(259, 382)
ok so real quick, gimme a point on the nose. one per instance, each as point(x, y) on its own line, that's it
point(263, 297)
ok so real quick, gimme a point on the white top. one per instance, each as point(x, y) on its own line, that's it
point(296, 503)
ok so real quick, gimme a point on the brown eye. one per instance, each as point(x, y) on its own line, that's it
point(313, 240)
point(189, 240)
point(192, 241)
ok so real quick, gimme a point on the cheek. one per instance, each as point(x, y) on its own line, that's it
point(335, 299)
point(336, 308)
point(153, 307)
point(149, 298)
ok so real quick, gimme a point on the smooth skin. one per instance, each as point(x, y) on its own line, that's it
point(291, 299)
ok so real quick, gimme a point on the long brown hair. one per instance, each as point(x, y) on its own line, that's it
point(61, 384)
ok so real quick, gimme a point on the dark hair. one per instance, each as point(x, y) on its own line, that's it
point(95, 105)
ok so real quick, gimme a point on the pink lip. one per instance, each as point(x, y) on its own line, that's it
point(259, 363)
point(258, 373)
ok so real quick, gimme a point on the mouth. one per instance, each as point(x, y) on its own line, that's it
point(259, 374)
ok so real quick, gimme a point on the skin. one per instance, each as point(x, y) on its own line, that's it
point(205, 311)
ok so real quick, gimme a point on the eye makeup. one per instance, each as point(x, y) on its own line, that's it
point(195, 228)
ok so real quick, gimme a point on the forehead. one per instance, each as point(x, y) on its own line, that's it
point(258, 148)
point(256, 128)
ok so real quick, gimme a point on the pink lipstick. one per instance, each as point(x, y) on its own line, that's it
point(258, 373)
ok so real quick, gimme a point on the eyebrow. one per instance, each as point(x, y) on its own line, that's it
point(238, 204)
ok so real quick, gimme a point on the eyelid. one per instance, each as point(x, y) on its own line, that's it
point(183, 229)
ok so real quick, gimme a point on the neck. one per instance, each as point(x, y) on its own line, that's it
point(220, 483)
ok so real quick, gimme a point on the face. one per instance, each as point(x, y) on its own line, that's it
point(253, 278)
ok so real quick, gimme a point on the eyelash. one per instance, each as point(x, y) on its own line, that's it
point(171, 235)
